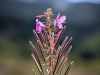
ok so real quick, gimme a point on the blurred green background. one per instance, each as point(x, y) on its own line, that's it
point(17, 20)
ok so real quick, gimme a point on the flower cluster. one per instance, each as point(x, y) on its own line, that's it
point(57, 22)
point(54, 55)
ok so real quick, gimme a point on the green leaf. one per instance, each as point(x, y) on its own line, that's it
point(44, 45)
point(55, 29)
point(45, 49)
point(53, 56)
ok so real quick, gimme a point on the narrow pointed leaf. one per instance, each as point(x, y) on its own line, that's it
point(68, 69)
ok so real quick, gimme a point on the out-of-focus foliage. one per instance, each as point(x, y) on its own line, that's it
point(17, 20)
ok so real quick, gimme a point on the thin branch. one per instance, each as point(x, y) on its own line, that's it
point(35, 34)
point(62, 66)
point(38, 67)
point(42, 36)
point(59, 36)
point(41, 50)
point(68, 69)
point(33, 72)
point(63, 58)
point(56, 64)
point(64, 41)
point(46, 36)
point(58, 50)
point(68, 51)
point(66, 46)
point(59, 64)
point(36, 55)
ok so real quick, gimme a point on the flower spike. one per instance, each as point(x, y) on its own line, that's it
point(53, 55)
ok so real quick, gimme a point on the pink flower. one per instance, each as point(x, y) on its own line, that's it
point(39, 26)
point(39, 16)
point(59, 20)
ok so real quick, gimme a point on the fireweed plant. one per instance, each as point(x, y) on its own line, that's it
point(54, 55)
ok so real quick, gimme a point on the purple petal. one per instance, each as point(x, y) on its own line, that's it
point(56, 20)
point(58, 16)
point(38, 28)
point(60, 26)
point(62, 19)
point(37, 20)
point(41, 24)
